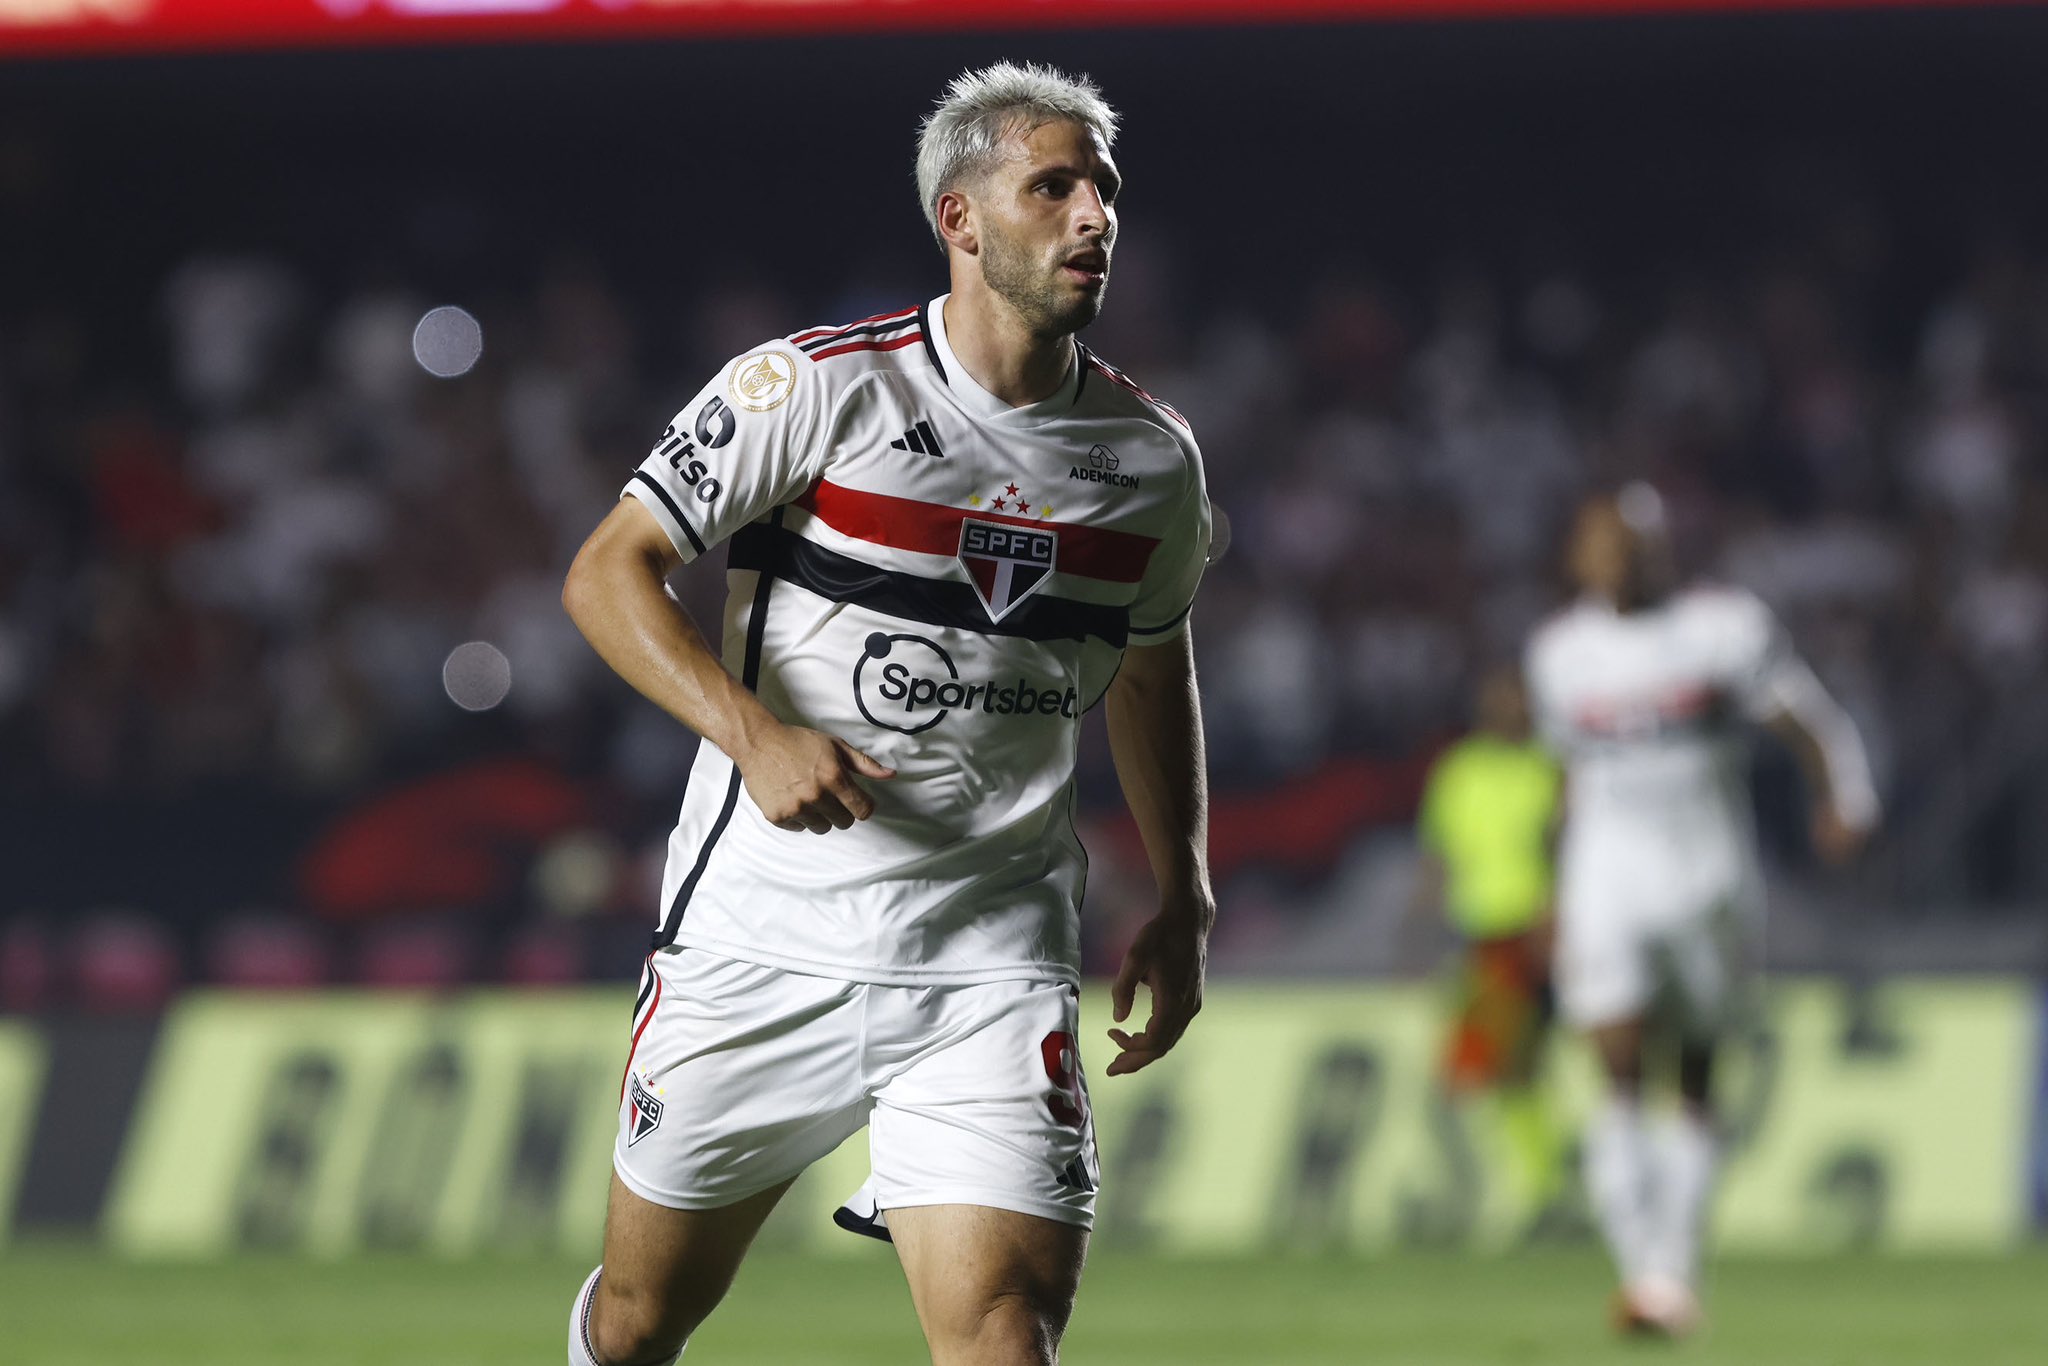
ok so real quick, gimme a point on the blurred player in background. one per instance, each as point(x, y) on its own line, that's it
point(1488, 824)
point(954, 530)
point(1645, 689)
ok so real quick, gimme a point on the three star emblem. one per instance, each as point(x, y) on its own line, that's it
point(1011, 500)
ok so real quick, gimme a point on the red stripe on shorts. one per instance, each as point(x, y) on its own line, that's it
point(641, 1028)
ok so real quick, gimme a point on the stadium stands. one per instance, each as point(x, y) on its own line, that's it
point(242, 528)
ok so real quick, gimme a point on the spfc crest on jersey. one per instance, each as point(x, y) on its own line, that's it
point(645, 1117)
point(1006, 564)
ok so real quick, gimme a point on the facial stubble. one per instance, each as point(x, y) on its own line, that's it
point(1023, 282)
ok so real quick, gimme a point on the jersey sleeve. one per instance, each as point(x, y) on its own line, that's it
point(1772, 681)
point(1167, 592)
point(751, 440)
point(1768, 677)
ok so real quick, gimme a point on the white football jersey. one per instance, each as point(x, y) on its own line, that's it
point(943, 581)
point(1650, 712)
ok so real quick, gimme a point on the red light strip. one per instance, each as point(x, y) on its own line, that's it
point(75, 27)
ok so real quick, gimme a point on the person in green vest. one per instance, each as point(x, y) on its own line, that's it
point(1488, 822)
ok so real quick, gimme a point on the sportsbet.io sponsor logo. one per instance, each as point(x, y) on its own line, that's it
point(1101, 469)
point(909, 684)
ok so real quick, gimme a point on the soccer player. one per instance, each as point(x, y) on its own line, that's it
point(1645, 689)
point(1487, 824)
point(953, 530)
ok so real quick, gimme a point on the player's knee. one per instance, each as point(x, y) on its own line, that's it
point(1021, 1327)
point(634, 1327)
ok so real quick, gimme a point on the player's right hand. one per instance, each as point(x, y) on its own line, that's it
point(804, 780)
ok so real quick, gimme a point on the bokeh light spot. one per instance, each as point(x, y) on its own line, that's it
point(447, 341)
point(477, 676)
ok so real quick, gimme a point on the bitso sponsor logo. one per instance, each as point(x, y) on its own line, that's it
point(908, 684)
point(714, 427)
point(762, 381)
point(1102, 469)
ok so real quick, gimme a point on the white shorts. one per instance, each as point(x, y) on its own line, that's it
point(742, 1075)
point(1681, 945)
point(1696, 974)
point(1658, 921)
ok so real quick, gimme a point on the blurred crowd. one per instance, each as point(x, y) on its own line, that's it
point(234, 575)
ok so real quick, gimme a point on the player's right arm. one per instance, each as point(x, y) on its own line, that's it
point(617, 595)
point(749, 442)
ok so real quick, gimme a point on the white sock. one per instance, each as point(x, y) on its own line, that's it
point(1682, 1156)
point(1618, 1175)
point(581, 1353)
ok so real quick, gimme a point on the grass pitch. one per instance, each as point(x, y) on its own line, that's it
point(63, 1306)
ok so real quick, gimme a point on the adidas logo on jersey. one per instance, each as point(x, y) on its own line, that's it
point(920, 440)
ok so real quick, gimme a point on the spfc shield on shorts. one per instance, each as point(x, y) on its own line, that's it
point(646, 1116)
point(1006, 564)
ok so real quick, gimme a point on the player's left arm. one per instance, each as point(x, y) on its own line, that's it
point(1787, 697)
point(1830, 753)
point(1155, 738)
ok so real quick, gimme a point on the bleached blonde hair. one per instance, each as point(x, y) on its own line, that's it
point(962, 139)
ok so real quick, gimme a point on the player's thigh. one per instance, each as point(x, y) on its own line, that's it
point(1603, 966)
point(666, 1269)
point(740, 1076)
point(982, 1101)
point(1708, 969)
point(991, 1286)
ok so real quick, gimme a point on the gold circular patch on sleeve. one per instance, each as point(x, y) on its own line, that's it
point(762, 381)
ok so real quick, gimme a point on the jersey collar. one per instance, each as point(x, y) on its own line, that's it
point(980, 402)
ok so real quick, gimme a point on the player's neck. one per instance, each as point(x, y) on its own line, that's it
point(1635, 600)
point(1001, 353)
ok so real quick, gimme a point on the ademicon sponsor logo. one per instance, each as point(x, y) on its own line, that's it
point(909, 684)
point(1102, 469)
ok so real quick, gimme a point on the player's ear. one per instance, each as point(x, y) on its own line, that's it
point(956, 222)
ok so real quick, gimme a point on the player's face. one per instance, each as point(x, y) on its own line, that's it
point(1600, 550)
point(1048, 226)
point(1614, 560)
